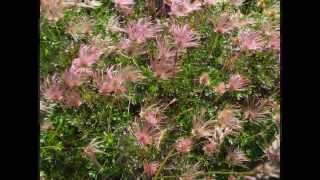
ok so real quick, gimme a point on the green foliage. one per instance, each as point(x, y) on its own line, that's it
point(110, 118)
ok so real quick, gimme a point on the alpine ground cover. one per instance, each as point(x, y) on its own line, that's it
point(151, 89)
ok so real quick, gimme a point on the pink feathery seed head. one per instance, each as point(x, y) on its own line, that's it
point(144, 133)
point(183, 36)
point(277, 118)
point(274, 41)
point(273, 151)
point(237, 82)
point(124, 6)
point(227, 118)
point(241, 21)
point(224, 24)
point(204, 79)
point(89, 151)
point(150, 168)
point(126, 45)
point(221, 88)
point(92, 149)
point(72, 98)
point(142, 30)
point(210, 2)
point(130, 47)
point(72, 79)
point(210, 147)
point(236, 3)
point(184, 7)
point(220, 132)
point(88, 55)
point(231, 177)
point(165, 65)
point(114, 25)
point(202, 128)
point(46, 125)
point(53, 89)
point(237, 157)
point(52, 9)
point(110, 81)
point(153, 115)
point(131, 74)
point(251, 40)
point(151, 118)
point(165, 69)
point(184, 145)
point(255, 109)
point(164, 52)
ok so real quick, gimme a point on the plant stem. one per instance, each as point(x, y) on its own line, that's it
point(164, 161)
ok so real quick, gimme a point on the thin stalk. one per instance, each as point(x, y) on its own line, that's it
point(164, 162)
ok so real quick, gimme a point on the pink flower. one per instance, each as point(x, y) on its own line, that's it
point(274, 41)
point(114, 24)
point(110, 82)
point(72, 79)
point(72, 98)
point(53, 89)
point(183, 7)
point(204, 79)
point(183, 36)
point(165, 53)
point(202, 128)
point(273, 151)
point(126, 45)
point(164, 69)
point(184, 145)
point(220, 132)
point(237, 82)
point(226, 118)
point(143, 133)
point(225, 24)
point(88, 55)
point(236, 157)
point(237, 3)
point(144, 138)
point(151, 118)
point(231, 177)
point(131, 74)
point(150, 168)
point(221, 88)
point(153, 115)
point(164, 65)
point(46, 125)
point(251, 40)
point(124, 6)
point(142, 30)
point(91, 150)
point(131, 48)
point(210, 2)
point(255, 109)
point(210, 147)
point(52, 9)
